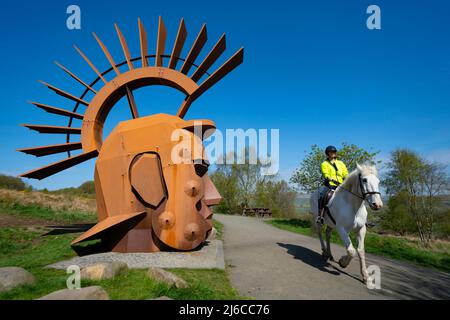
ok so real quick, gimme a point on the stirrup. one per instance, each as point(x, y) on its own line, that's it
point(319, 220)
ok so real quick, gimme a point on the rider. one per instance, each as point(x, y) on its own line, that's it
point(334, 172)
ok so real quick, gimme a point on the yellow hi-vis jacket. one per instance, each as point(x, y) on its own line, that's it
point(330, 173)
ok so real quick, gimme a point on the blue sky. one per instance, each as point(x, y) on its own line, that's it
point(312, 69)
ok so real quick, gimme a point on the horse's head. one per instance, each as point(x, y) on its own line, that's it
point(369, 184)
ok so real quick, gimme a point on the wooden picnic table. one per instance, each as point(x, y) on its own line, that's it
point(257, 212)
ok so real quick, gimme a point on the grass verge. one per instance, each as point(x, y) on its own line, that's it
point(28, 249)
point(437, 257)
point(33, 211)
point(219, 228)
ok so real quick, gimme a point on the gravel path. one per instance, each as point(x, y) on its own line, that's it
point(269, 263)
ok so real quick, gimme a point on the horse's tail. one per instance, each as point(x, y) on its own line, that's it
point(314, 202)
point(314, 209)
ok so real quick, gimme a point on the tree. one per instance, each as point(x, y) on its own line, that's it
point(396, 217)
point(226, 182)
point(422, 182)
point(308, 177)
point(276, 195)
point(12, 183)
point(87, 188)
point(243, 185)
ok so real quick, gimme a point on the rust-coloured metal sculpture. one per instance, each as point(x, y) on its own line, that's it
point(146, 201)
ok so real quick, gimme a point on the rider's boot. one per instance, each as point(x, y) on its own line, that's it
point(319, 219)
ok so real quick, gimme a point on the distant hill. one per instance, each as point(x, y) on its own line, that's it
point(56, 202)
point(86, 189)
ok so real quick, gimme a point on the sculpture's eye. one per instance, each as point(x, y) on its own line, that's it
point(201, 167)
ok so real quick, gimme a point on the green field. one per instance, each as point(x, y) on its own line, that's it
point(26, 247)
point(438, 256)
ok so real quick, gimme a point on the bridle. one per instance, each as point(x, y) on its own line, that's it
point(364, 193)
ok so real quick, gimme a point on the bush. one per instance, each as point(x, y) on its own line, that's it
point(442, 227)
point(12, 183)
point(86, 189)
point(276, 195)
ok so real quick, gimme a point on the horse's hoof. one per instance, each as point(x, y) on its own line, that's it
point(341, 263)
point(366, 278)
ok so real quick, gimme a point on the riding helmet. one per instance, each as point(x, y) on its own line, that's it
point(330, 149)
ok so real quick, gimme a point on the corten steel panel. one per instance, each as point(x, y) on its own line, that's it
point(90, 63)
point(126, 50)
point(107, 54)
point(52, 129)
point(131, 103)
point(147, 179)
point(152, 188)
point(56, 167)
point(52, 149)
point(143, 43)
point(212, 56)
point(178, 45)
point(58, 111)
point(212, 196)
point(75, 77)
point(64, 93)
point(106, 224)
point(195, 50)
point(160, 43)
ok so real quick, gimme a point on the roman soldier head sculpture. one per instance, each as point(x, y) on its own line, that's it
point(152, 188)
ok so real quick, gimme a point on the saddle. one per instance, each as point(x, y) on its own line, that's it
point(324, 201)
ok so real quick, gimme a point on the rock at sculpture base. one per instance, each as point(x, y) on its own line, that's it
point(105, 270)
point(87, 293)
point(167, 277)
point(162, 298)
point(12, 277)
point(212, 234)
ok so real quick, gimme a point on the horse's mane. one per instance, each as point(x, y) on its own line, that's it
point(363, 169)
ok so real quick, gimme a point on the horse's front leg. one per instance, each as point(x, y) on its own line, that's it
point(351, 252)
point(361, 253)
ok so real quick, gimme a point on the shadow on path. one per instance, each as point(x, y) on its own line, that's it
point(314, 259)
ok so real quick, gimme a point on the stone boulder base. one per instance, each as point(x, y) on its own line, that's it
point(162, 298)
point(104, 270)
point(12, 277)
point(167, 277)
point(87, 293)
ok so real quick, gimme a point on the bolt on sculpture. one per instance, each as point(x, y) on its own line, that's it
point(146, 201)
